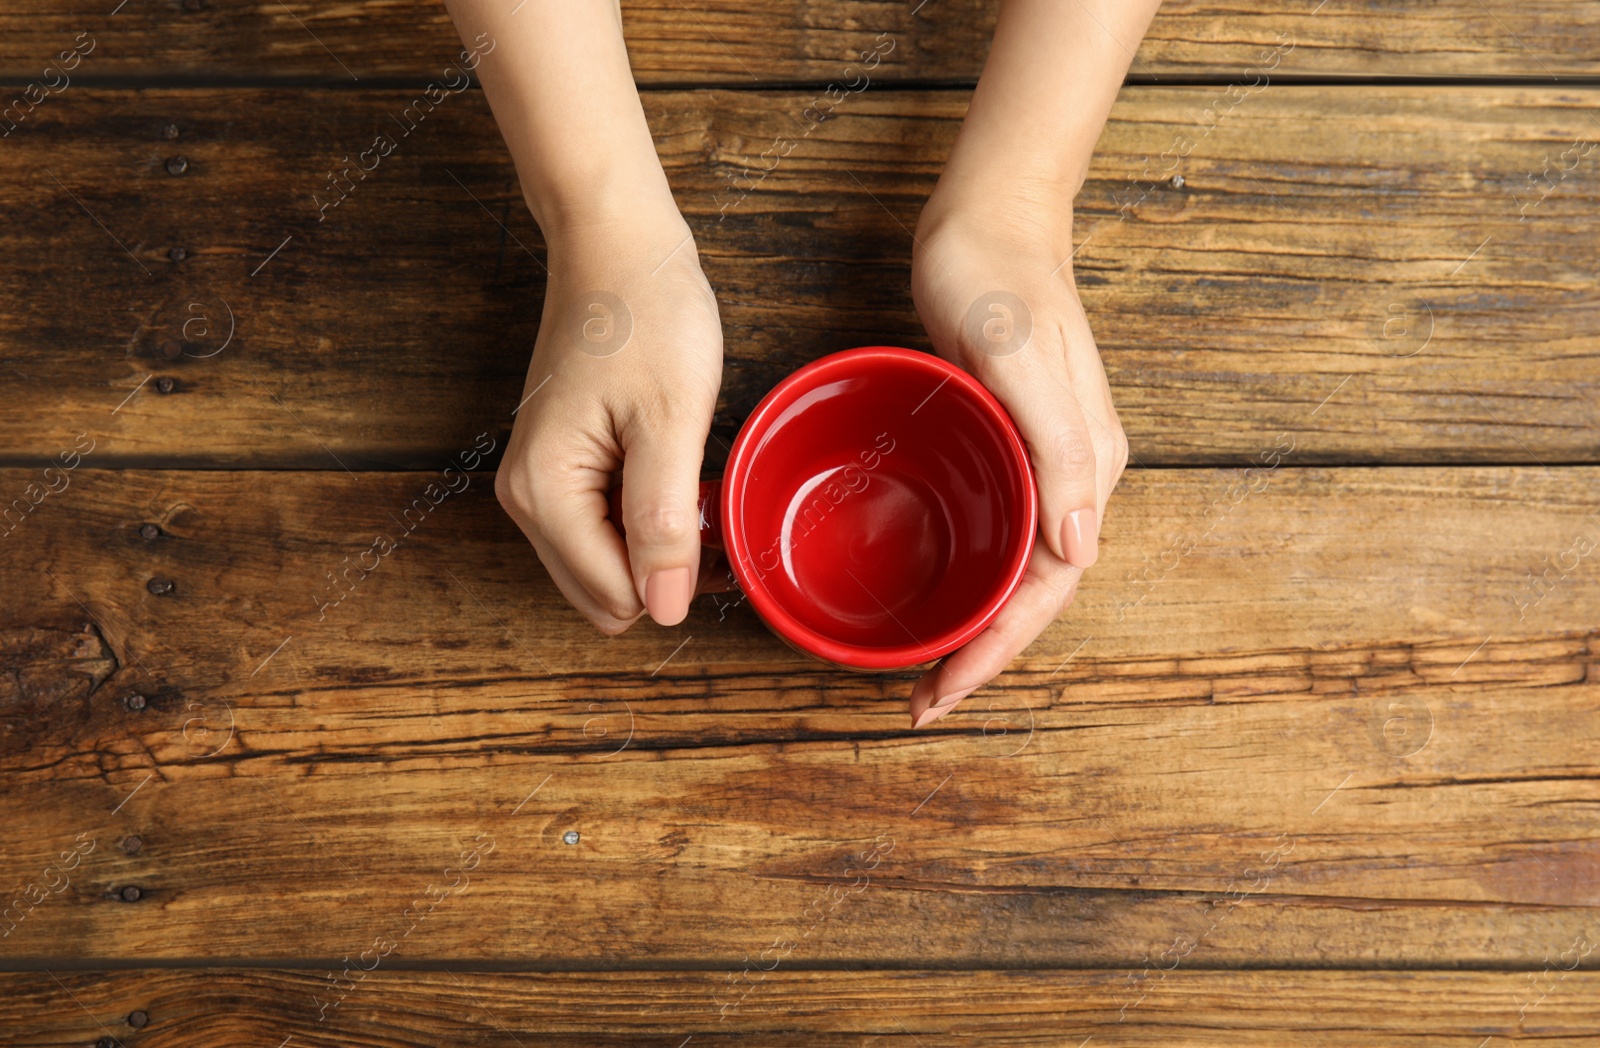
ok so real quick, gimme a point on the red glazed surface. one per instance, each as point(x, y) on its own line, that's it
point(879, 508)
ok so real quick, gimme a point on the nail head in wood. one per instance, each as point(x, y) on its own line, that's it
point(131, 893)
point(166, 384)
point(134, 701)
point(161, 587)
point(133, 844)
point(149, 531)
point(171, 348)
point(138, 1020)
point(177, 165)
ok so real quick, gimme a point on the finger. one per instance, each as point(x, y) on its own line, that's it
point(1035, 387)
point(564, 515)
point(661, 514)
point(1045, 592)
point(578, 596)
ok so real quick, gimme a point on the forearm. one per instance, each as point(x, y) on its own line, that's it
point(1053, 72)
point(558, 81)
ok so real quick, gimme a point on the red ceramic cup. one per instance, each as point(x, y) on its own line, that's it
point(877, 509)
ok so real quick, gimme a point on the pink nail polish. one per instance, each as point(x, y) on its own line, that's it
point(942, 706)
point(667, 594)
point(921, 699)
point(1079, 538)
point(954, 697)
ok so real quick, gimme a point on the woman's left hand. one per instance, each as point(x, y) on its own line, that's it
point(993, 284)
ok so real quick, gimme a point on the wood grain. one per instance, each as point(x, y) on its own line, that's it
point(1349, 268)
point(1299, 718)
point(1197, 564)
point(724, 42)
point(222, 1006)
point(1326, 734)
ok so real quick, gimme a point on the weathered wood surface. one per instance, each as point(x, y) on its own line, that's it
point(1324, 732)
point(221, 1006)
point(1368, 270)
point(1197, 564)
point(731, 42)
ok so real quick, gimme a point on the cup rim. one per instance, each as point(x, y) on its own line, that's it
point(855, 656)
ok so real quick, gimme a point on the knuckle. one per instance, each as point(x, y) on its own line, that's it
point(668, 523)
point(524, 490)
point(1070, 451)
point(1117, 449)
point(513, 488)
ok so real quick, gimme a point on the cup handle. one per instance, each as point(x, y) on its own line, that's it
point(709, 504)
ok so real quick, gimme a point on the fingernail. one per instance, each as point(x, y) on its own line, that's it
point(921, 699)
point(940, 707)
point(1078, 538)
point(666, 595)
point(954, 697)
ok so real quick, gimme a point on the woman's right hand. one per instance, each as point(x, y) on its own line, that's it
point(625, 373)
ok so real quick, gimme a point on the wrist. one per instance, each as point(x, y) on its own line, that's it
point(609, 213)
point(1033, 214)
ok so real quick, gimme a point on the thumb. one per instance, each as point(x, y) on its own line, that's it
point(1062, 448)
point(1036, 388)
point(661, 515)
point(1024, 364)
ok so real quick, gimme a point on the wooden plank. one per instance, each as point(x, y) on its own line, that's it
point(1198, 565)
point(1108, 841)
point(389, 1009)
point(1327, 734)
point(722, 41)
point(1310, 282)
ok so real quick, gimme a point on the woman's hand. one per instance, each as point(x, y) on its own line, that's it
point(993, 283)
point(991, 274)
point(629, 353)
point(624, 375)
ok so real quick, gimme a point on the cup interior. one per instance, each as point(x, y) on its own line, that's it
point(879, 508)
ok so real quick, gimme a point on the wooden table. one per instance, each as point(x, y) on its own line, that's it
point(1313, 760)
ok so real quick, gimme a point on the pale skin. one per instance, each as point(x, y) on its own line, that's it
point(1000, 218)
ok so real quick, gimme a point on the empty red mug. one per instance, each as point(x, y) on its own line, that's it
point(878, 508)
